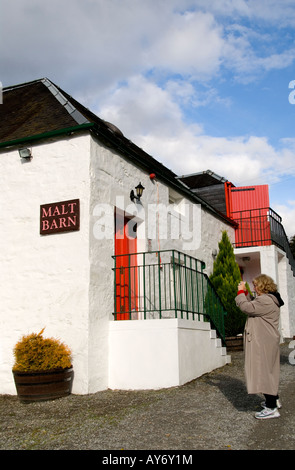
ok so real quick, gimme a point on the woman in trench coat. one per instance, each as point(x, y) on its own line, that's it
point(261, 342)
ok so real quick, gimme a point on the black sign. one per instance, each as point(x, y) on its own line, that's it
point(60, 217)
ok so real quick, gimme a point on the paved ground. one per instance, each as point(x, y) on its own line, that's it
point(213, 412)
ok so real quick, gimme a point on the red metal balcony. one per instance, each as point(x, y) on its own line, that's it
point(261, 227)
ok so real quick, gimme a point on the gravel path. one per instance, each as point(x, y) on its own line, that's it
point(213, 412)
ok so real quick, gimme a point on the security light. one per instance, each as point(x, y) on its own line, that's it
point(25, 153)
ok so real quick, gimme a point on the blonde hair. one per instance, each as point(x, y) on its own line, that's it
point(264, 284)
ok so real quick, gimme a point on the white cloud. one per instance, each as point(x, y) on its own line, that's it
point(151, 117)
point(287, 212)
point(140, 108)
point(142, 64)
point(94, 44)
point(191, 45)
point(244, 160)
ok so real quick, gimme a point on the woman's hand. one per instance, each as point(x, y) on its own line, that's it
point(241, 286)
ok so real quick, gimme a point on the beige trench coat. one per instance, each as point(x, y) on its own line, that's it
point(261, 343)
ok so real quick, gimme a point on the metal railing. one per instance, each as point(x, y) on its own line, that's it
point(165, 284)
point(261, 227)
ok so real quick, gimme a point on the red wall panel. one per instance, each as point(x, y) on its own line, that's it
point(249, 197)
point(249, 206)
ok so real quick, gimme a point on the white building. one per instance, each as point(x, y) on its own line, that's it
point(78, 254)
point(261, 244)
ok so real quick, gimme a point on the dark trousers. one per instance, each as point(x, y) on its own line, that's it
point(270, 401)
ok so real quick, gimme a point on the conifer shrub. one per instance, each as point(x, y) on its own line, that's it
point(36, 353)
point(225, 279)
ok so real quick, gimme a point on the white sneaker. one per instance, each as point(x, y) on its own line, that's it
point(267, 413)
point(278, 403)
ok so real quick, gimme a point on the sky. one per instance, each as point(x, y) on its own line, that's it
point(198, 84)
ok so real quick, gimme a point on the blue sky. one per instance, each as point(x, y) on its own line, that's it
point(198, 84)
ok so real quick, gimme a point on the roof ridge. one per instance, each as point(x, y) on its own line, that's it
point(19, 85)
point(61, 98)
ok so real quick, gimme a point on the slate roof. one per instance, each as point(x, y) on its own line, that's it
point(28, 110)
point(202, 179)
point(40, 109)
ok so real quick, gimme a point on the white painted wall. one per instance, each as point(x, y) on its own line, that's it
point(211, 235)
point(150, 354)
point(286, 283)
point(44, 280)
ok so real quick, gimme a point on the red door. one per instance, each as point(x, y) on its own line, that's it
point(126, 267)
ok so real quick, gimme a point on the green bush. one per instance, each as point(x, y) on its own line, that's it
point(225, 279)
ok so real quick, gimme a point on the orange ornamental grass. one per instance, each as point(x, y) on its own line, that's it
point(35, 353)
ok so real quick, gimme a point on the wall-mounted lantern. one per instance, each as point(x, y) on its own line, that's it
point(139, 190)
